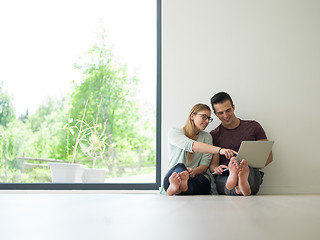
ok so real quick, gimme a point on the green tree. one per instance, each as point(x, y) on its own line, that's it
point(106, 79)
point(38, 136)
point(48, 137)
point(6, 107)
point(44, 113)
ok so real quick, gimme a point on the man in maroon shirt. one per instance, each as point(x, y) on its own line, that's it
point(240, 179)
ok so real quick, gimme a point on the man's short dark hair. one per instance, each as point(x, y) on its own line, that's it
point(220, 98)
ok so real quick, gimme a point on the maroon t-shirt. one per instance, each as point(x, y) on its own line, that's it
point(232, 138)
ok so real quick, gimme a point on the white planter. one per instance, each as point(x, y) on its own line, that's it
point(94, 175)
point(66, 172)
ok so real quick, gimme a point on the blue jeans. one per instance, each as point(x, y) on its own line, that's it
point(199, 185)
point(254, 179)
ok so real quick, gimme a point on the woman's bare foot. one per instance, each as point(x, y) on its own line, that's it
point(174, 186)
point(184, 181)
point(233, 174)
point(243, 178)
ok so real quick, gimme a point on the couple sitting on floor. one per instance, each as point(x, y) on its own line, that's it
point(192, 151)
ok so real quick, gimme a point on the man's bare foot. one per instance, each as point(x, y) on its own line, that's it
point(243, 178)
point(238, 191)
point(174, 186)
point(233, 174)
point(184, 181)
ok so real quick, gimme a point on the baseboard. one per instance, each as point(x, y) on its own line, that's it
point(289, 190)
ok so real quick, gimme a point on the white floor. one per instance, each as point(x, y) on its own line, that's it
point(110, 215)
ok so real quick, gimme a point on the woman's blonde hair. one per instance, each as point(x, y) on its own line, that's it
point(189, 129)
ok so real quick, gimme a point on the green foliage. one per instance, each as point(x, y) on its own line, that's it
point(112, 116)
point(6, 107)
point(106, 80)
point(48, 138)
point(47, 114)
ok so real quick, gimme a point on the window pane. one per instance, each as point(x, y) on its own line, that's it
point(78, 86)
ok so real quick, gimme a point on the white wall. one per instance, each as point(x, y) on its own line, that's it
point(266, 54)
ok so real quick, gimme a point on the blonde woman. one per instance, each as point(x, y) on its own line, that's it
point(190, 153)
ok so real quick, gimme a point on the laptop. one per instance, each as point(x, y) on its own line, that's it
point(256, 153)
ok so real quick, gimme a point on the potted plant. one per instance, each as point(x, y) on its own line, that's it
point(66, 172)
point(93, 144)
point(70, 172)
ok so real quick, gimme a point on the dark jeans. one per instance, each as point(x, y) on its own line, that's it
point(255, 180)
point(199, 185)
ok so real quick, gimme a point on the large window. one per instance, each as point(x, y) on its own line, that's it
point(80, 94)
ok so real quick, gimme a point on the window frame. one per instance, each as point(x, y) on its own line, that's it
point(114, 186)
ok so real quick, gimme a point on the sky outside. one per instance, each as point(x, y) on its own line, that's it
point(41, 40)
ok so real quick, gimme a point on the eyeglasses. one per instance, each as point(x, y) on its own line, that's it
point(205, 117)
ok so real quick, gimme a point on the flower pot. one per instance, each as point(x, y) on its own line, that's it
point(94, 175)
point(66, 172)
